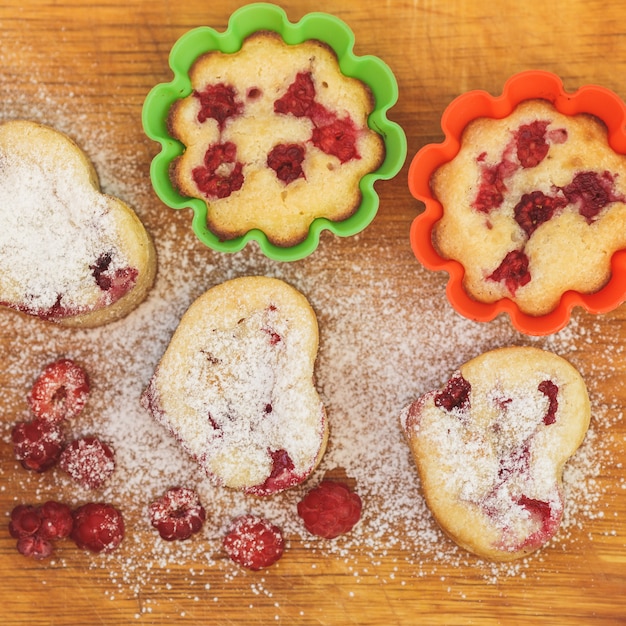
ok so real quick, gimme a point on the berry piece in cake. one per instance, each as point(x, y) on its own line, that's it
point(88, 461)
point(338, 138)
point(535, 208)
point(221, 174)
point(532, 146)
point(592, 192)
point(115, 282)
point(254, 542)
point(98, 527)
point(218, 102)
point(37, 444)
point(286, 160)
point(178, 514)
point(330, 509)
point(299, 100)
point(60, 392)
point(513, 271)
point(455, 395)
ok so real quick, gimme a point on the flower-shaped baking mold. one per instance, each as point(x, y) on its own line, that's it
point(533, 84)
point(243, 23)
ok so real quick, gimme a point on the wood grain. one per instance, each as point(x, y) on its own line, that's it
point(90, 67)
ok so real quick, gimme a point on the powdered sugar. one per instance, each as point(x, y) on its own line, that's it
point(387, 335)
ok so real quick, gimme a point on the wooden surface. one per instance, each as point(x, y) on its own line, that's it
point(86, 70)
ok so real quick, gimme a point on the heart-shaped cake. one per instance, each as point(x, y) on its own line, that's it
point(235, 386)
point(68, 252)
point(491, 444)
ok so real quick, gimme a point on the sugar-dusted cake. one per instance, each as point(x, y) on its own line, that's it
point(235, 386)
point(534, 205)
point(490, 446)
point(274, 137)
point(68, 252)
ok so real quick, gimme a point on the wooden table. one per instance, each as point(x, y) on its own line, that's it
point(387, 335)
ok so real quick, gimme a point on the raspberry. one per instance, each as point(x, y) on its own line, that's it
point(338, 138)
point(282, 475)
point(88, 461)
point(37, 444)
point(513, 271)
point(551, 391)
point(35, 528)
point(98, 527)
point(218, 102)
point(116, 282)
point(535, 208)
point(35, 547)
point(254, 542)
point(330, 509)
point(532, 146)
point(56, 520)
point(299, 100)
point(286, 160)
point(178, 514)
point(592, 192)
point(60, 392)
point(456, 394)
point(221, 173)
point(25, 521)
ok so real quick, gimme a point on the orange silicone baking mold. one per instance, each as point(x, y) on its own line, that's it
point(532, 84)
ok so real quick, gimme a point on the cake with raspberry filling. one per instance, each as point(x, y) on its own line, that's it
point(534, 205)
point(490, 446)
point(274, 137)
point(68, 252)
point(235, 386)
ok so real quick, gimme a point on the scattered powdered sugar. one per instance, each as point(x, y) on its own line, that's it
point(387, 335)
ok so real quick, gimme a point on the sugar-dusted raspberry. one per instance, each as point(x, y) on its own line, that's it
point(532, 146)
point(98, 527)
point(513, 271)
point(60, 392)
point(254, 542)
point(56, 520)
point(88, 461)
point(455, 395)
point(338, 138)
point(535, 208)
point(178, 514)
point(218, 102)
point(286, 160)
point(330, 509)
point(37, 444)
point(221, 174)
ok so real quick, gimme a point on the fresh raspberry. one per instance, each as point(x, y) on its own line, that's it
point(330, 509)
point(35, 528)
point(37, 444)
point(25, 521)
point(178, 514)
point(35, 547)
point(60, 392)
point(88, 461)
point(254, 542)
point(56, 520)
point(98, 527)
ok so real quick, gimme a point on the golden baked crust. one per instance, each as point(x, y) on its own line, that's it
point(328, 146)
point(491, 444)
point(68, 253)
point(534, 206)
point(235, 386)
